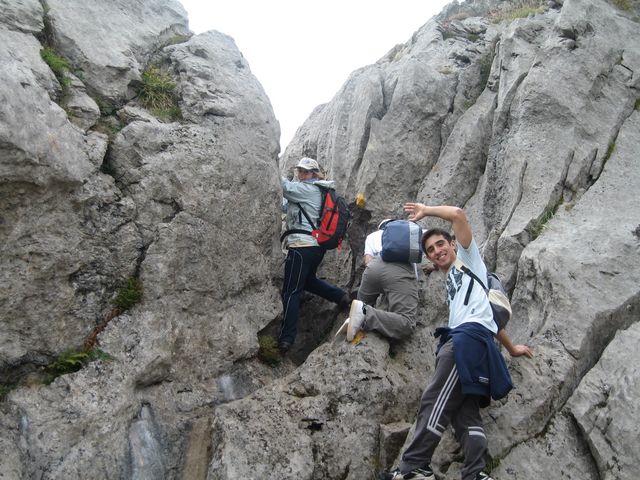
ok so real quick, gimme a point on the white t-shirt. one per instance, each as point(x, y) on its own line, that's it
point(373, 244)
point(478, 308)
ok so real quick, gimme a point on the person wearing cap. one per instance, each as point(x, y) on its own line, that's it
point(303, 252)
point(396, 282)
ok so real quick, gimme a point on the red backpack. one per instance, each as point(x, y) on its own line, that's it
point(334, 220)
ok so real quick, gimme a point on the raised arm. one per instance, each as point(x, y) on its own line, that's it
point(455, 215)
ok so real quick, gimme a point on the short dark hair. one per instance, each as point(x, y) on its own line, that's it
point(434, 231)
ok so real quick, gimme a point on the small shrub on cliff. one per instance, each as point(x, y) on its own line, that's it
point(610, 149)
point(269, 352)
point(623, 4)
point(57, 64)
point(128, 295)
point(110, 126)
point(492, 464)
point(538, 226)
point(71, 361)
point(157, 93)
point(521, 9)
point(5, 389)
point(485, 68)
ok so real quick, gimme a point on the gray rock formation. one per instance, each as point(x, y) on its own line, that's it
point(531, 123)
point(133, 32)
point(177, 205)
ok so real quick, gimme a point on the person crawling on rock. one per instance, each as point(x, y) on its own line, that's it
point(303, 252)
point(469, 366)
point(397, 282)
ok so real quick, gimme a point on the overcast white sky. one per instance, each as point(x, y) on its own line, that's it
point(302, 51)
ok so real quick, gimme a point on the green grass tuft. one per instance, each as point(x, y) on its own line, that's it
point(520, 10)
point(485, 68)
point(539, 225)
point(637, 104)
point(5, 388)
point(58, 65)
point(623, 4)
point(110, 126)
point(128, 295)
point(71, 361)
point(106, 107)
point(157, 94)
point(269, 352)
point(610, 149)
point(492, 464)
point(171, 113)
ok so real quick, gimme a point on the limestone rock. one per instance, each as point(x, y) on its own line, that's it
point(325, 406)
point(532, 125)
point(392, 437)
point(83, 110)
point(22, 15)
point(177, 205)
point(561, 453)
point(111, 42)
point(55, 204)
point(605, 409)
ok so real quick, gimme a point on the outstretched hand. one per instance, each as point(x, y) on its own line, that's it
point(416, 211)
point(519, 350)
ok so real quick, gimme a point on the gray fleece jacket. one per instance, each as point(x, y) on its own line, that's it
point(309, 197)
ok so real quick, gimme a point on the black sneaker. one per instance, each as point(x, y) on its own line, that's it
point(345, 302)
point(419, 474)
point(415, 474)
point(483, 476)
point(284, 347)
point(394, 475)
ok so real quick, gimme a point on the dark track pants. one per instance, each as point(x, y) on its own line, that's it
point(299, 275)
point(443, 403)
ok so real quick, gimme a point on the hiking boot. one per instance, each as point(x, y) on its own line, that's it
point(344, 302)
point(343, 327)
point(483, 476)
point(415, 474)
point(356, 319)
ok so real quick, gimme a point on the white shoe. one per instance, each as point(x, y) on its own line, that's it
point(343, 328)
point(355, 320)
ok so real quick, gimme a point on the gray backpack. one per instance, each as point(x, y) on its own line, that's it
point(401, 242)
point(500, 305)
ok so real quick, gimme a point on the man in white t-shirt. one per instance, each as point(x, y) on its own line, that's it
point(373, 243)
point(469, 368)
point(396, 282)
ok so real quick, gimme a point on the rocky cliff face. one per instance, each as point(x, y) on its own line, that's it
point(531, 123)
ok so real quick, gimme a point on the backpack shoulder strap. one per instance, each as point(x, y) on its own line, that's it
point(306, 215)
point(323, 192)
point(462, 267)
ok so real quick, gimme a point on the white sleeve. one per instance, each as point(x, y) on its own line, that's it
point(373, 244)
point(368, 247)
point(473, 260)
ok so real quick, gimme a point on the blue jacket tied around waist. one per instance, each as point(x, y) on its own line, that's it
point(481, 367)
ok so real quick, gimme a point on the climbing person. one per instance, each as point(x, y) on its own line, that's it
point(396, 282)
point(469, 367)
point(302, 203)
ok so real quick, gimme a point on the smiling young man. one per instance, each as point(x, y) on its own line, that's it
point(469, 367)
